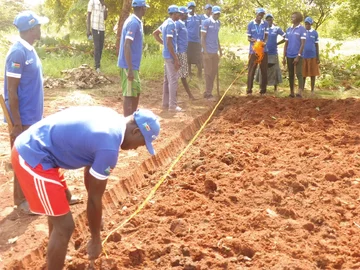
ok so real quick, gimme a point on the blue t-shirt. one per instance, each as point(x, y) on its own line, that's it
point(22, 62)
point(133, 30)
point(182, 38)
point(204, 17)
point(211, 28)
point(168, 29)
point(193, 24)
point(257, 31)
point(312, 38)
point(294, 37)
point(75, 138)
point(274, 32)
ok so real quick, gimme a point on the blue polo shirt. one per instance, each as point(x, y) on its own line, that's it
point(75, 138)
point(294, 35)
point(168, 29)
point(133, 30)
point(211, 28)
point(182, 38)
point(274, 32)
point(204, 17)
point(312, 38)
point(193, 24)
point(22, 62)
point(257, 31)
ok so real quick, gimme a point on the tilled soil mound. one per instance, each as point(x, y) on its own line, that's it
point(270, 184)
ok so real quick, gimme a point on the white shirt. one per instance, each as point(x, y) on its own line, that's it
point(97, 15)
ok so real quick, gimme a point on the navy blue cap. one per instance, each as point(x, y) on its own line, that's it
point(309, 20)
point(140, 3)
point(208, 6)
point(259, 10)
point(173, 9)
point(191, 4)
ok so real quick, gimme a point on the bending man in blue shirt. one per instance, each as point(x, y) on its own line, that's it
point(130, 54)
point(88, 137)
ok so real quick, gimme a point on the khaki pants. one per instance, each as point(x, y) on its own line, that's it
point(211, 67)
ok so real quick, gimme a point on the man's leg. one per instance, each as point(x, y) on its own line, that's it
point(165, 99)
point(207, 75)
point(173, 77)
point(96, 39)
point(290, 65)
point(251, 73)
point(264, 76)
point(312, 83)
point(101, 45)
point(187, 88)
point(299, 76)
point(214, 59)
point(62, 229)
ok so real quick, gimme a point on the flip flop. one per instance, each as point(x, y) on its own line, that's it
point(75, 200)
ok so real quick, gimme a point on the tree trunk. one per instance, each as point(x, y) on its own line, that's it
point(124, 14)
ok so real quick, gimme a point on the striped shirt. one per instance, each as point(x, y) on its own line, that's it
point(97, 15)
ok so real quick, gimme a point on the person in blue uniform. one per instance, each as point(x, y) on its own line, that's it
point(130, 54)
point(78, 137)
point(293, 51)
point(311, 54)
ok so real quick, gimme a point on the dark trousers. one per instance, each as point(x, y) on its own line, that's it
point(291, 69)
point(251, 73)
point(98, 37)
point(211, 67)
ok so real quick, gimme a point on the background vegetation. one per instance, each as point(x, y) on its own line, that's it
point(64, 44)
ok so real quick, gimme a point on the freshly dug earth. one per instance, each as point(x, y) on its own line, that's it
point(270, 184)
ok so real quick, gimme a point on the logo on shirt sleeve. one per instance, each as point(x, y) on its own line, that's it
point(129, 33)
point(108, 170)
point(15, 65)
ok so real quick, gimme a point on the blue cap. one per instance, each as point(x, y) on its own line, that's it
point(309, 20)
point(191, 4)
point(183, 10)
point(26, 20)
point(259, 10)
point(216, 9)
point(140, 3)
point(173, 9)
point(149, 126)
point(207, 6)
point(269, 15)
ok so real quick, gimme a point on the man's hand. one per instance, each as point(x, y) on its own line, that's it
point(296, 60)
point(252, 40)
point(88, 34)
point(130, 75)
point(177, 64)
point(16, 131)
point(94, 248)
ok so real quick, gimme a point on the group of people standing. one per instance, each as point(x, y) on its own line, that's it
point(187, 39)
point(301, 52)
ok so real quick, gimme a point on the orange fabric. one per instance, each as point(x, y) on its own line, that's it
point(43, 189)
point(310, 67)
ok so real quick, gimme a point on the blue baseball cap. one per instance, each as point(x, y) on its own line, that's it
point(269, 15)
point(208, 6)
point(140, 3)
point(216, 9)
point(149, 126)
point(191, 4)
point(183, 10)
point(309, 20)
point(26, 20)
point(173, 9)
point(259, 10)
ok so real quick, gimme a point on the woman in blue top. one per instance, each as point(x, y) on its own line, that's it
point(293, 49)
point(311, 54)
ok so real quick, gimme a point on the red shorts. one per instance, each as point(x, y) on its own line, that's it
point(43, 189)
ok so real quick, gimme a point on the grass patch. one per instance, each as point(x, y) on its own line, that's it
point(152, 66)
point(228, 38)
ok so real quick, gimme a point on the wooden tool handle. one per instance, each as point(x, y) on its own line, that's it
point(6, 113)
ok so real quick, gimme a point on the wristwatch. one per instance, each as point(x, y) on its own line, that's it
point(299, 54)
